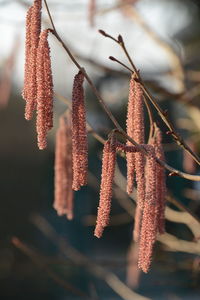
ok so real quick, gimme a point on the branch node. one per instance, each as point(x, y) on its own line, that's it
point(173, 174)
point(169, 132)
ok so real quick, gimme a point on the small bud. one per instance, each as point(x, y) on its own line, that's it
point(102, 32)
point(120, 39)
point(112, 58)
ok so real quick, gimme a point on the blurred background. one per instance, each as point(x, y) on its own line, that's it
point(162, 37)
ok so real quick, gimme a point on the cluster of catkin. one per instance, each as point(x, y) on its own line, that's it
point(38, 83)
point(71, 155)
point(142, 168)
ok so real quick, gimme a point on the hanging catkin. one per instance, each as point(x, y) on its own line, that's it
point(135, 129)
point(139, 134)
point(161, 181)
point(79, 134)
point(130, 157)
point(63, 200)
point(33, 28)
point(44, 91)
point(107, 176)
point(149, 224)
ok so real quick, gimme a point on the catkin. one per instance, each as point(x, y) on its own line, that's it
point(135, 129)
point(25, 91)
point(33, 28)
point(149, 224)
point(139, 138)
point(107, 176)
point(130, 157)
point(44, 91)
point(63, 199)
point(79, 134)
point(161, 182)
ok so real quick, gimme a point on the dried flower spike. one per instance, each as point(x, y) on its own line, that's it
point(107, 176)
point(25, 91)
point(149, 220)
point(161, 181)
point(139, 135)
point(130, 157)
point(44, 90)
point(33, 28)
point(79, 134)
point(63, 201)
point(135, 129)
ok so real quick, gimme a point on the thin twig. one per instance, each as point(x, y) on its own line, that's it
point(133, 14)
point(150, 114)
point(108, 112)
point(120, 181)
point(173, 171)
point(179, 140)
point(89, 127)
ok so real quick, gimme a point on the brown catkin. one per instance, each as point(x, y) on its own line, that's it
point(130, 157)
point(161, 182)
point(63, 200)
point(27, 54)
point(79, 134)
point(107, 176)
point(48, 81)
point(149, 219)
point(139, 136)
point(33, 28)
point(135, 129)
point(44, 91)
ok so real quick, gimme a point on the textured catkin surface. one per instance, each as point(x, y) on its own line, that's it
point(107, 177)
point(130, 157)
point(44, 120)
point(79, 134)
point(63, 193)
point(33, 29)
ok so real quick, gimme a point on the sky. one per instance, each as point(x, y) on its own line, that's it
point(72, 23)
